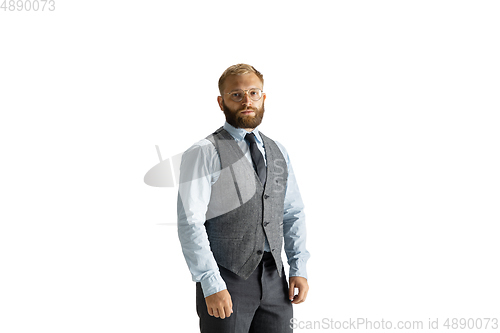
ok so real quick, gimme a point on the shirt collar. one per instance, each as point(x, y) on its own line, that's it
point(239, 133)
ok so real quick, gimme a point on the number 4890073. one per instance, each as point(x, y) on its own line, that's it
point(28, 5)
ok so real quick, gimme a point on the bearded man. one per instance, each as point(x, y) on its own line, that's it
point(238, 206)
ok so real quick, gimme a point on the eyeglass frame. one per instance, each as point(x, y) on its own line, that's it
point(245, 92)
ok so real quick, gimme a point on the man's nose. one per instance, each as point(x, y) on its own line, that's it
point(246, 99)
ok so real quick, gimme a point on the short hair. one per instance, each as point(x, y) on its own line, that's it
point(238, 69)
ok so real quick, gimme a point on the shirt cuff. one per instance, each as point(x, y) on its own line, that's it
point(213, 284)
point(298, 268)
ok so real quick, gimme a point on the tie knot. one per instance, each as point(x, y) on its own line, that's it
point(250, 137)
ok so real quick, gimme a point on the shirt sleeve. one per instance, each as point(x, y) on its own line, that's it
point(200, 167)
point(294, 224)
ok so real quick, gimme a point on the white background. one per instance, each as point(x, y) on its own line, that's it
point(389, 110)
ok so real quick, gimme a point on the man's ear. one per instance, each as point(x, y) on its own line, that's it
point(219, 100)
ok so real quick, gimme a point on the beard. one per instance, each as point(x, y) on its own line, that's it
point(237, 120)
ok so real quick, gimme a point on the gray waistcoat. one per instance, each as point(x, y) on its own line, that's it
point(241, 212)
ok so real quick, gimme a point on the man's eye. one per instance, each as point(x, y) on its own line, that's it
point(236, 95)
point(254, 93)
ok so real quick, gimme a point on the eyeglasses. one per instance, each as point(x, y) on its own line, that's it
point(255, 94)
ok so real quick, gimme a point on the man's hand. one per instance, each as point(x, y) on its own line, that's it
point(219, 304)
point(300, 283)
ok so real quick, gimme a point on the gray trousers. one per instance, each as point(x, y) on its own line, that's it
point(260, 303)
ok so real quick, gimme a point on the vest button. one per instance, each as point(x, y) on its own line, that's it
point(259, 252)
point(266, 196)
point(265, 224)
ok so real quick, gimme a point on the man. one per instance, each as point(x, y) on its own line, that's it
point(238, 201)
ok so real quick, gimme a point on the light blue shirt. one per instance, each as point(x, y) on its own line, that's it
point(200, 169)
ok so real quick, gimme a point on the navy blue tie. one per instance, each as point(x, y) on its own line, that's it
point(258, 160)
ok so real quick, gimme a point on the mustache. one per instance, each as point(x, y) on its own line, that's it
point(247, 109)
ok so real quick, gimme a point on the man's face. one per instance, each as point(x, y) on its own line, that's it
point(247, 113)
